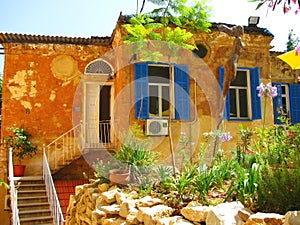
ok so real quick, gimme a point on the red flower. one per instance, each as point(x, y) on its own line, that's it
point(292, 135)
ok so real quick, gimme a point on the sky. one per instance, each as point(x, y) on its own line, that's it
point(86, 18)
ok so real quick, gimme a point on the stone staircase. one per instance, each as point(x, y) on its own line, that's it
point(33, 205)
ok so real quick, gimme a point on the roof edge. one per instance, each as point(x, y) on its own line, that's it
point(28, 38)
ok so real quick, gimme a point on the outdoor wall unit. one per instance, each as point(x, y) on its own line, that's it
point(157, 127)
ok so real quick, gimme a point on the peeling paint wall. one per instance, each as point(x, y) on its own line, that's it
point(39, 84)
point(40, 81)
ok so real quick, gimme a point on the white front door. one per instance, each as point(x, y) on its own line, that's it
point(97, 114)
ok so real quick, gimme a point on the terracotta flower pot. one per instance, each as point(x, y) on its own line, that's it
point(19, 170)
point(119, 176)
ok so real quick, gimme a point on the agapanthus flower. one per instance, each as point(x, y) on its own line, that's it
point(221, 136)
point(225, 136)
point(267, 90)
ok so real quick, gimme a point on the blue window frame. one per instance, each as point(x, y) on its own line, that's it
point(145, 90)
point(287, 102)
point(242, 101)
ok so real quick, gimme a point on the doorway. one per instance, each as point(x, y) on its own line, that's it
point(98, 99)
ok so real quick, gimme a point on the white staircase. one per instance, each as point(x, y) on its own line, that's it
point(33, 205)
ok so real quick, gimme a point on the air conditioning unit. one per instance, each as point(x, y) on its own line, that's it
point(157, 127)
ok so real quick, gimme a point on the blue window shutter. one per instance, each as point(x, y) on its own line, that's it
point(294, 90)
point(227, 103)
point(182, 92)
point(141, 90)
point(277, 103)
point(255, 99)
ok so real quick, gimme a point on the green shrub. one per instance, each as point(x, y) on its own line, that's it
point(20, 143)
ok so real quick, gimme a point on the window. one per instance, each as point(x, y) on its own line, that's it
point(242, 101)
point(153, 95)
point(159, 91)
point(287, 102)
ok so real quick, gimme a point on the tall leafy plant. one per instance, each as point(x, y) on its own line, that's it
point(171, 22)
point(20, 142)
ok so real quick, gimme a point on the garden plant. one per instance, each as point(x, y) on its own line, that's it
point(263, 172)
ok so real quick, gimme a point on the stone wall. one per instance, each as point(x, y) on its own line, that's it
point(97, 203)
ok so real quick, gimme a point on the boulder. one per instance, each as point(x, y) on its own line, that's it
point(196, 213)
point(113, 209)
point(148, 201)
point(150, 215)
point(265, 219)
point(292, 218)
point(175, 220)
point(225, 213)
point(126, 207)
point(109, 196)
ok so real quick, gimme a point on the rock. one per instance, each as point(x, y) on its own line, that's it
point(265, 219)
point(151, 215)
point(148, 201)
point(97, 215)
point(113, 209)
point(244, 214)
point(78, 189)
point(175, 220)
point(110, 196)
point(126, 207)
point(140, 214)
point(131, 218)
point(120, 197)
point(113, 221)
point(195, 214)
point(225, 213)
point(103, 187)
point(292, 218)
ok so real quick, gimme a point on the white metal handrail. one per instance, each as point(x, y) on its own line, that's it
point(13, 191)
point(64, 147)
point(57, 214)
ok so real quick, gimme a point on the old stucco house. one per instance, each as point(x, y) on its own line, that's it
point(58, 87)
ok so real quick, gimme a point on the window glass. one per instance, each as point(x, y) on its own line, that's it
point(239, 96)
point(159, 91)
point(153, 100)
point(159, 74)
point(243, 103)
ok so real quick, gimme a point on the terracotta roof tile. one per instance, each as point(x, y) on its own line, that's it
point(27, 38)
point(65, 188)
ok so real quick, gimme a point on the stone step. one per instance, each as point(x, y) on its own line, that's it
point(28, 193)
point(34, 213)
point(33, 206)
point(29, 178)
point(27, 186)
point(36, 220)
point(32, 199)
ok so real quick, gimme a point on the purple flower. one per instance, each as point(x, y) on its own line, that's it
point(266, 90)
point(225, 136)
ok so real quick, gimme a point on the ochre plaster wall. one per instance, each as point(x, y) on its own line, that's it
point(256, 53)
point(40, 81)
point(38, 89)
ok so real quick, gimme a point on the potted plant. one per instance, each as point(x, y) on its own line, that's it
point(21, 146)
point(131, 163)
